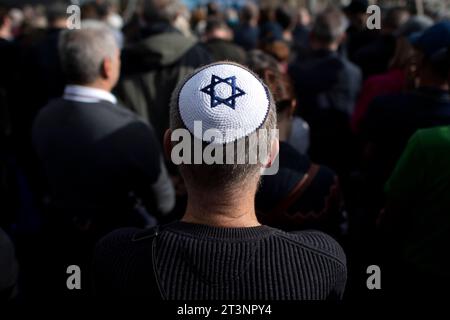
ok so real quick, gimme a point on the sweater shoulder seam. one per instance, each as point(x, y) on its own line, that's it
point(311, 248)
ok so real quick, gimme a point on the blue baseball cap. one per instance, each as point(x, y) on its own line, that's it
point(433, 39)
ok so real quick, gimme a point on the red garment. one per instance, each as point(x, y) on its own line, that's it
point(392, 81)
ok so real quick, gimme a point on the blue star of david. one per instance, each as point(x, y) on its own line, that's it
point(215, 100)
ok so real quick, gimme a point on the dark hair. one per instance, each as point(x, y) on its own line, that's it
point(103, 9)
point(213, 9)
point(440, 63)
point(56, 11)
point(329, 25)
point(284, 16)
point(248, 12)
point(395, 17)
point(215, 23)
point(155, 11)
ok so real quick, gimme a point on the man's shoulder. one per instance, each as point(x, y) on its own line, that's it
point(317, 243)
point(119, 115)
point(118, 244)
point(432, 138)
point(106, 112)
point(51, 109)
point(121, 110)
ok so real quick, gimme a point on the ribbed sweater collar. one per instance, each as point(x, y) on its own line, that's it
point(208, 232)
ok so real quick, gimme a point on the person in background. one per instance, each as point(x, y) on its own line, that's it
point(218, 41)
point(301, 195)
point(285, 18)
point(219, 250)
point(182, 21)
point(102, 162)
point(47, 78)
point(153, 66)
point(279, 50)
point(296, 130)
point(198, 21)
point(8, 65)
point(231, 17)
point(415, 225)
point(270, 29)
point(91, 10)
point(358, 36)
point(17, 19)
point(271, 38)
point(246, 33)
point(302, 29)
point(6, 31)
point(39, 70)
point(374, 57)
point(392, 119)
point(9, 269)
point(398, 78)
point(213, 10)
point(105, 11)
point(328, 85)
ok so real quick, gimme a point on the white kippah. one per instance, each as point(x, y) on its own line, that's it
point(224, 97)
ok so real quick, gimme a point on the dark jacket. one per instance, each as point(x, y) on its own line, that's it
point(327, 86)
point(324, 80)
point(152, 68)
point(246, 36)
point(391, 121)
point(95, 155)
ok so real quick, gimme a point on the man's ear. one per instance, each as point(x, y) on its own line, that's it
point(167, 144)
point(274, 150)
point(107, 68)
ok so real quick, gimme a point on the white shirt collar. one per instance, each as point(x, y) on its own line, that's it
point(87, 94)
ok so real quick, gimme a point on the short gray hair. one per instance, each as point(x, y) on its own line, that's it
point(83, 51)
point(224, 176)
point(330, 25)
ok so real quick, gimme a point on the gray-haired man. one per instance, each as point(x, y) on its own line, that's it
point(100, 159)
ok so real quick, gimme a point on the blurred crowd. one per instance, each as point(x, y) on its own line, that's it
point(363, 118)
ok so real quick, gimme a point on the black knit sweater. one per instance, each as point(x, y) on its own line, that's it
point(201, 262)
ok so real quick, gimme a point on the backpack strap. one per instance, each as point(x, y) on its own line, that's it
point(297, 192)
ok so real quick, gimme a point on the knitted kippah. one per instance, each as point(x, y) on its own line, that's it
point(224, 97)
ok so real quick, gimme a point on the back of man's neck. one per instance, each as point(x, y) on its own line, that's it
point(95, 85)
point(227, 214)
